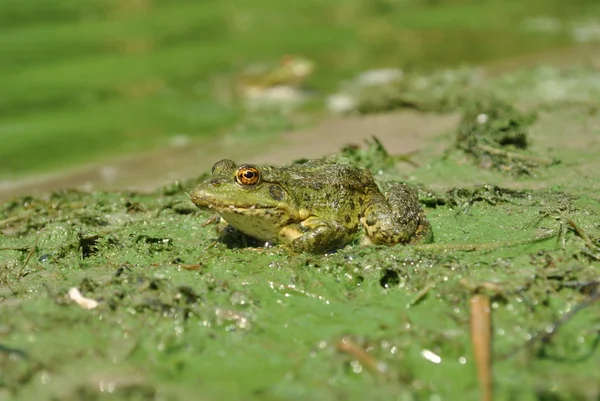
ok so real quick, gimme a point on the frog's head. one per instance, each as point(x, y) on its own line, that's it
point(297, 66)
point(247, 198)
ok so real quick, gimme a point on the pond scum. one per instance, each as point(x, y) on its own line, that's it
point(130, 295)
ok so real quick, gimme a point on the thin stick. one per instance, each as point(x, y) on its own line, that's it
point(582, 234)
point(481, 338)
point(29, 256)
point(487, 246)
point(516, 156)
point(349, 347)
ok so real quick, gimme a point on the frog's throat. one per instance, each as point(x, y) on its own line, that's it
point(256, 210)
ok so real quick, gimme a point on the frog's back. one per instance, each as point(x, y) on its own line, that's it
point(325, 187)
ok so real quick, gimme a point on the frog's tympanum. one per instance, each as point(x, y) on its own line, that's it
point(316, 206)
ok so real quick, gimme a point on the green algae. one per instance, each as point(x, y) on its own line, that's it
point(463, 89)
point(438, 90)
point(182, 315)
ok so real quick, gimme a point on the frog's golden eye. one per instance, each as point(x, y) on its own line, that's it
point(247, 176)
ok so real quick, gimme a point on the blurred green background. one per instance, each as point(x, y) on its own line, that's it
point(85, 81)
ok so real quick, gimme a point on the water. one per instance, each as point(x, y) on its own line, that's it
point(86, 81)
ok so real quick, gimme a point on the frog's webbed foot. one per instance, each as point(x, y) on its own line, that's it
point(397, 219)
point(314, 235)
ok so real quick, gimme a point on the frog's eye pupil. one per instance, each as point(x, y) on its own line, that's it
point(248, 176)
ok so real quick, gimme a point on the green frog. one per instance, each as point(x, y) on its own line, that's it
point(292, 71)
point(313, 206)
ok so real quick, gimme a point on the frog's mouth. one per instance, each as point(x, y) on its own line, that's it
point(268, 212)
point(231, 208)
point(228, 207)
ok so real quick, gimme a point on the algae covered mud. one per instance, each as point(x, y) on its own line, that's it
point(130, 295)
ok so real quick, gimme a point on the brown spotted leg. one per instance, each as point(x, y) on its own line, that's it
point(397, 218)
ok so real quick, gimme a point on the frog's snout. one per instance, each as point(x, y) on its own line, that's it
point(204, 195)
point(198, 196)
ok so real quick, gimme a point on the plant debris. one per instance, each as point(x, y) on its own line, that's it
point(494, 134)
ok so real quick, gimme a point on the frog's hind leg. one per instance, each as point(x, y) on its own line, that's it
point(404, 201)
point(397, 218)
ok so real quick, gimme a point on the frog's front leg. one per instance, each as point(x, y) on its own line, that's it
point(397, 218)
point(315, 235)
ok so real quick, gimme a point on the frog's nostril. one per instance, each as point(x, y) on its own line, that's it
point(215, 182)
